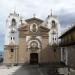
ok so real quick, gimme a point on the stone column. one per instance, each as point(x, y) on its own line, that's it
point(62, 54)
point(66, 56)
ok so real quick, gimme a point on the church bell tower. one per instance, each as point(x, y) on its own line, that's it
point(12, 24)
point(54, 26)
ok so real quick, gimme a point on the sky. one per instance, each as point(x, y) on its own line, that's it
point(64, 9)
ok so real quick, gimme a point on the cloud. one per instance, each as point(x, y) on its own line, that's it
point(63, 8)
point(67, 19)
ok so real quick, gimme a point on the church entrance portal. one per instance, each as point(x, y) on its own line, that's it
point(34, 58)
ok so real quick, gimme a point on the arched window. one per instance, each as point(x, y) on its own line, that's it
point(12, 38)
point(13, 22)
point(53, 24)
point(12, 50)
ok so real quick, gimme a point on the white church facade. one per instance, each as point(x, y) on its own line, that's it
point(31, 40)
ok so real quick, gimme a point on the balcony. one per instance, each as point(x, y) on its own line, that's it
point(67, 43)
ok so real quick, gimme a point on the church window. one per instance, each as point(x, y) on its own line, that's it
point(13, 22)
point(55, 38)
point(53, 24)
point(11, 38)
point(12, 50)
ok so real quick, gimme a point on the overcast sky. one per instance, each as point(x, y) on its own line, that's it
point(64, 9)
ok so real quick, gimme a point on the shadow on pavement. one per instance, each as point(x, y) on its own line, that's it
point(42, 69)
point(28, 70)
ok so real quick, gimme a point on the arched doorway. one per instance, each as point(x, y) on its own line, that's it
point(34, 58)
point(34, 47)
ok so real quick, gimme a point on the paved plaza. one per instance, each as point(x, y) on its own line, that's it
point(29, 70)
point(25, 70)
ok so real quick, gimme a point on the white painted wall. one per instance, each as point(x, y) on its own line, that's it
point(16, 35)
point(57, 29)
point(8, 35)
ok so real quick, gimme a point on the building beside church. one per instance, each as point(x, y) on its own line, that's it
point(31, 40)
point(67, 45)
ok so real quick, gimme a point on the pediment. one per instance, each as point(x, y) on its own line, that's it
point(25, 30)
point(34, 20)
point(40, 28)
